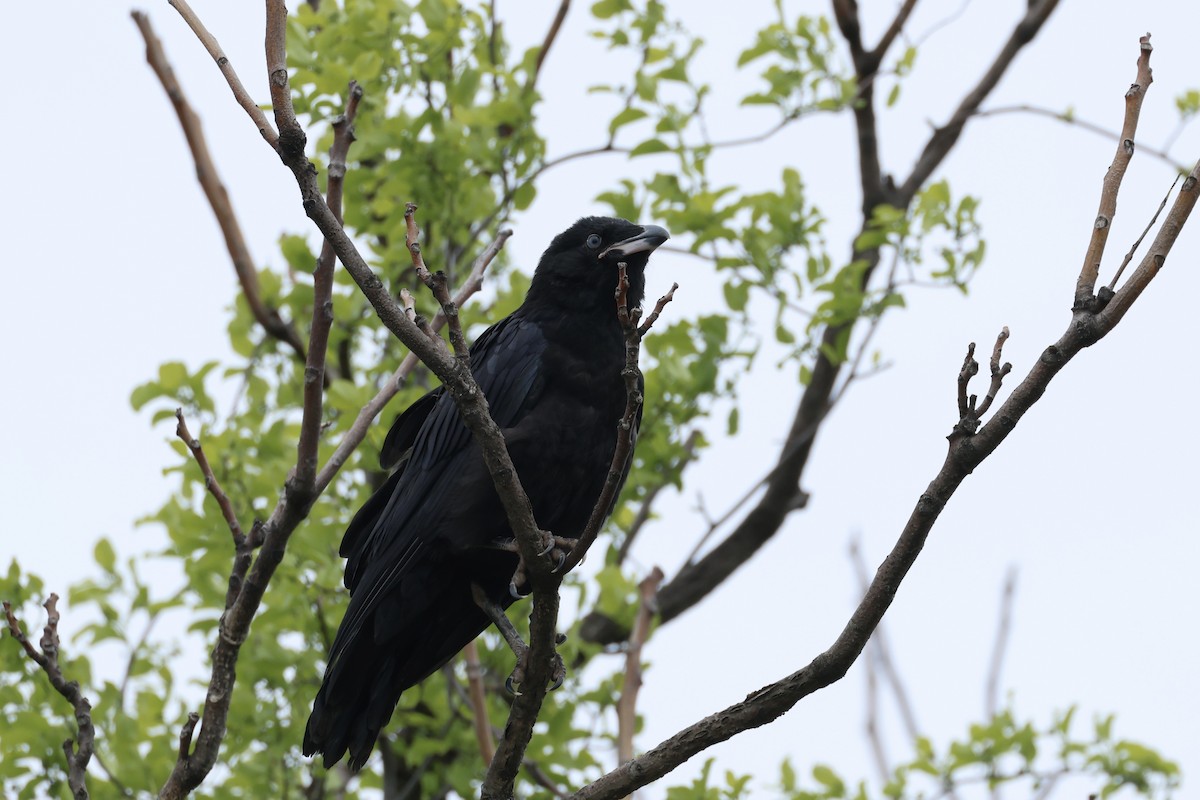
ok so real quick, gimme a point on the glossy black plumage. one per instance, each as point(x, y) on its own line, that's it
point(551, 372)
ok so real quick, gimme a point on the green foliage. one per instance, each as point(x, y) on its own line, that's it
point(734, 787)
point(1005, 752)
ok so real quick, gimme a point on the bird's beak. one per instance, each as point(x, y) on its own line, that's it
point(646, 241)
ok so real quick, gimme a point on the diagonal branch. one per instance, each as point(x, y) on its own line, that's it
point(945, 137)
point(967, 450)
point(783, 495)
point(551, 35)
point(77, 756)
point(210, 182)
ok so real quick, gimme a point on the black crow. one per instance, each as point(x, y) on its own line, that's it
point(551, 372)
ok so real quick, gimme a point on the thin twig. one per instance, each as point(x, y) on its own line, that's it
point(551, 35)
point(437, 284)
point(478, 698)
point(991, 701)
point(1068, 118)
point(322, 312)
point(235, 83)
point(210, 480)
point(77, 756)
point(1129, 256)
point(627, 702)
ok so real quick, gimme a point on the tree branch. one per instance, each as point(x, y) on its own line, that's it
point(322, 313)
point(1070, 119)
point(551, 35)
point(478, 697)
point(498, 783)
point(967, 450)
point(783, 495)
point(945, 137)
point(210, 180)
point(47, 659)
point(1084, 288)
point(627, 702)
point(231, 77)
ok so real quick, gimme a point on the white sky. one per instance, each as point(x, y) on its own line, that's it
point(115, 265)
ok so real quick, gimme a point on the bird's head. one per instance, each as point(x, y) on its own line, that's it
point(579, 268)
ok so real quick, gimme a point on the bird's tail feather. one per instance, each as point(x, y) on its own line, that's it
point(364, 682)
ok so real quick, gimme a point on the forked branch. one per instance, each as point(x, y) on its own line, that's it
point(79, 750)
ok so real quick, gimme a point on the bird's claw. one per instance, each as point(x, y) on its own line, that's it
point(558, 671)
point(514, 591)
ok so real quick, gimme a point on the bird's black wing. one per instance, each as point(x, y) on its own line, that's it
point(505, 361)
point(397, 448)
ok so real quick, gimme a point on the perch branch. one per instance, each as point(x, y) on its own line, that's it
point(78, 751)
point(498, 783)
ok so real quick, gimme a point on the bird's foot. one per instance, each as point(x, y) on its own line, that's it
point(558, 670)
point(557, 547)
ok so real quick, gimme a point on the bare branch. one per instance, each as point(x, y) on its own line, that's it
point(1112, 285)
point(210, 182)
point(47, 659)
point(991, 701)
point(1071, 119)
point(235, 83)
point(945, 137)
point(551, 35)
point(322, 312)
point(210, 480)
point(1084, 297)
point(478, 697)
point(627, 703)
point(893, 31)
point(498, 783)
point(437, 284)
point(1155, 257)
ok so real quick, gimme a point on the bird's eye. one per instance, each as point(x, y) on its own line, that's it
point(593, 241)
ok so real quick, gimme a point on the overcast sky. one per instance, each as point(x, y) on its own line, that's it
point(114, 265)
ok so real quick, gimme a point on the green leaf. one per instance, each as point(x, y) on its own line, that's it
point(105, 556)
point(649, 146)
point(523, 196)
point(625, 117)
